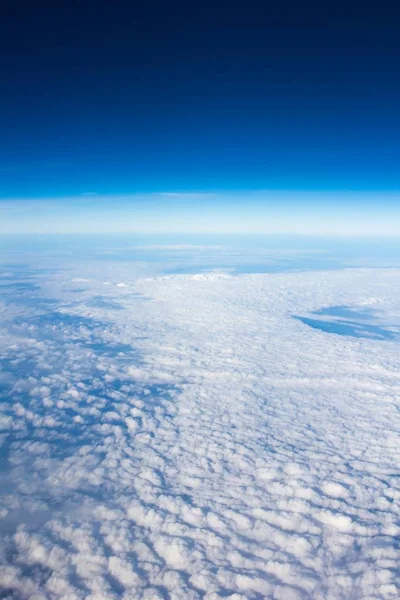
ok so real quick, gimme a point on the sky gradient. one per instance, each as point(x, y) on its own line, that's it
point(137, 105)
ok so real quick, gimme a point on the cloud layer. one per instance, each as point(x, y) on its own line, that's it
point(186, 437)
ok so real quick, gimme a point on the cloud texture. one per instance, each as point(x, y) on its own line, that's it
point(185, 437)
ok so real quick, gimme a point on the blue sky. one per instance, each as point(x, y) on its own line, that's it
point(179, 120)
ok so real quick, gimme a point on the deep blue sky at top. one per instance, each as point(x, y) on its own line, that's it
point(143, 97)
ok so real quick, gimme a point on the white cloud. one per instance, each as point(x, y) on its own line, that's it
point(234, 451)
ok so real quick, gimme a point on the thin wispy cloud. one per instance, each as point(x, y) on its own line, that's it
point(188, 194)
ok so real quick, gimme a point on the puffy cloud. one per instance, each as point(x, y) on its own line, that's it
point(201, 444)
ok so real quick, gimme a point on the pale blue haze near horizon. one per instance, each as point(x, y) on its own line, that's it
point(301, 212)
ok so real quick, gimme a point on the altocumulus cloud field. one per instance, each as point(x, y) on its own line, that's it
point(188, 436)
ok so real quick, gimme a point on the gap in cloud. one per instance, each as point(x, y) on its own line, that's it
point(351, 321)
